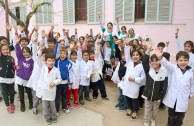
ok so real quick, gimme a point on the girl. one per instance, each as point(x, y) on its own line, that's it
point(188, 47)
point(132, 34)
point(133, 79)
point(25, 64)
point(7, 72)
point(123, 32)
point(155, 87)
point(76, 80)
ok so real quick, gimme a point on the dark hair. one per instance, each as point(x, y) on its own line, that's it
point(166, 55)
point(115, 37)
point(81, 37)
point(49, 50)
point(72, 36)
point(124, 28)
point(135, 40)
point(2, 37)
point(161, 44)
point(153, 57)
point(136, 50)
point(85, 51)
point(24, 39)
point(51, 40)
point(27, 49)
point(49, 55)
point(191, 44)
point(110, 23)
point(4, 45)
point(112, 57)
point(57, 33)
point(64, 50)
point(91, 51)
point(73, 52)
point(182, 54)
point(131, 29)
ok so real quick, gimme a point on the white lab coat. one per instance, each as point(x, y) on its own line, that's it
point(180, 88)
point(131, 89)
point(115, 76)
point(44, 91)
point(75, 74)
point(85, 71)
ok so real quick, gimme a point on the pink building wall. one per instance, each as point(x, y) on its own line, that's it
point(183, 18)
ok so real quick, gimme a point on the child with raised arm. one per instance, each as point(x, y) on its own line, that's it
point(155, 87)
point(133, 79)
point(7, 72)
point(50, 77)
point(180, 89)
point(26, 65)
point(188, 47)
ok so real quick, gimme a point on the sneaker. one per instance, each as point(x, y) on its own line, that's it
point(12, 106)
point(35, 111)
point(129, 113)
point(140, 106)
point(122, 108)
point(118, 105)
point(88, 99)
point(153, 122)
point(134, 116)
point(30, 106)
point(94, 98)
point(105, 98)
point(48, 122)
point(22, 108)
point(81, 102)
point(57, 114)
point(77, 105)
point(67, 111)
point(69, 106)
point(146, 124)
point(10, 110)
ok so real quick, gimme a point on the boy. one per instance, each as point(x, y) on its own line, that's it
point(180, 88)
point(49, 78)
point(51, 43)
point(65, 68)
point(85, 73)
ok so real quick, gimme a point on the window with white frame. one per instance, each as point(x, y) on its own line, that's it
point(94, 7)
point(44, 16)
point(156, 11)
point(19, 12)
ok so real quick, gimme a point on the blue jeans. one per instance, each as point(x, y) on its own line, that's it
point(85, 90)
point(122, 101)
point(61, 91)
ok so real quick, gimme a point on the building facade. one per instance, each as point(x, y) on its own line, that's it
point(156, 18)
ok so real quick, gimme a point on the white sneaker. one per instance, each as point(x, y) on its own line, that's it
point(57, 114)
point(67, 111)
point(146, 124)
point(153, 122)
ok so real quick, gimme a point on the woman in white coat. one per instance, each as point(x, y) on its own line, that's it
point(133, 79)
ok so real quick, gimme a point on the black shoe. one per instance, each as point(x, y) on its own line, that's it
point(118, 105)
point(105, 98)
point(81, 101)
point(22, 108)
point(48, 122)
point(30, 106)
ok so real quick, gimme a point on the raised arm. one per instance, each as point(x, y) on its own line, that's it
point(76, 35)
point(101, 25)
point(127, 51)
point(118, 29)
point(18, 48)
point(179, 44)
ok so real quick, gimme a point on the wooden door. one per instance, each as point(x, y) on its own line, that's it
point(81, 9)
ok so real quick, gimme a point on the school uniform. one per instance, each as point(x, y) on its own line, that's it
point(85, 71)
point(75, 82)
point(97, 81)
point(131, 89)
point(179, 90)
point(7, 73)
point(47, 93)
point(155, 89)
point(107, 55)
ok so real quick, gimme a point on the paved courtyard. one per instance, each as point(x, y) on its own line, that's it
point(95, 113)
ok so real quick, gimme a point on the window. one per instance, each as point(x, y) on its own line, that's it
point(152, 11)
point(19, 12)
point(94, 7)
point(44, 16)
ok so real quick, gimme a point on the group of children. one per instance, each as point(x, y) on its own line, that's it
point(51, 67)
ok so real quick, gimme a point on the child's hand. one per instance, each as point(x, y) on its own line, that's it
point(158, 54)
point(8, 27)
point(131, 79)
point(78, 44)
point(177, 32)
point(149, 45)
point(117, 19)
point(123, 78)
point(52, 28)
point(52, 84)
point(76, 30)
point(35, 39)
point(17, 67)
point(98, 15)
point(167, 43)
point(127, 41)
point(17, 39)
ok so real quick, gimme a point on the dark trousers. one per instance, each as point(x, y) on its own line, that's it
point(61, 91)
point(122, 101)
point(8, 93)
point(175, 118)
point(141, 100)
point(105, 67)
point(99, 85)
point(132, 104)
point(21, 93)
point(85, 90)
